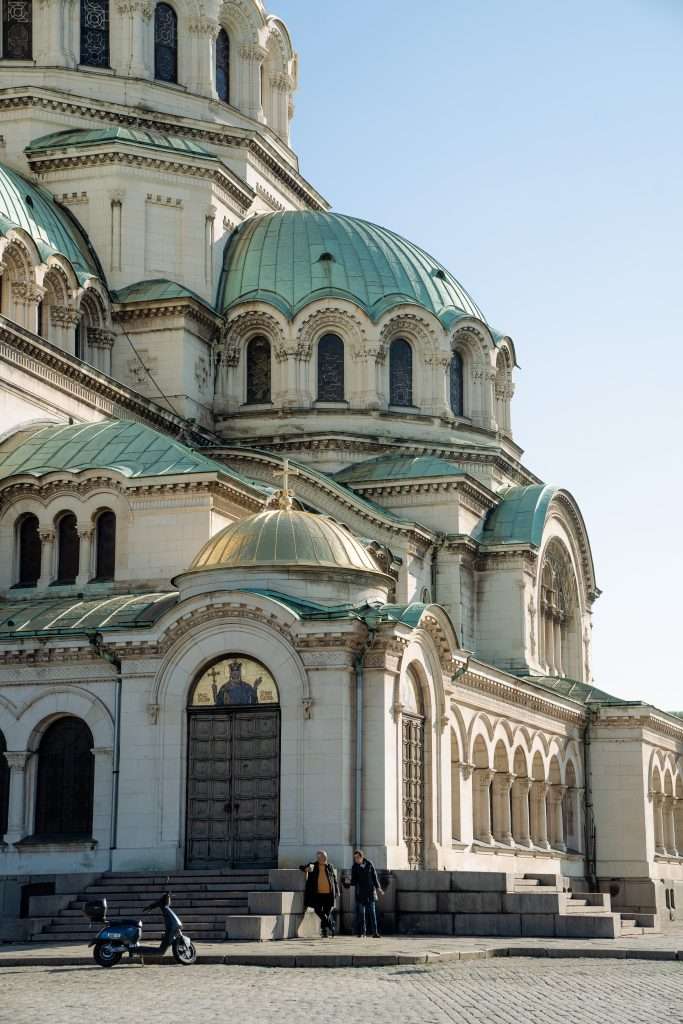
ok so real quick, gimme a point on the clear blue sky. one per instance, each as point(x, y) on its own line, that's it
point(536, 149)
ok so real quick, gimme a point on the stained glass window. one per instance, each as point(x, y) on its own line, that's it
point(223, 66)
point(456, 385)
point(68, 545)
point(234, 680)
point(95, 33)
point(105, 545)
point(400, 373)
point(30, 550)
point(258, 371)
point(330, 369)
point(17, 30)
point(165, 43)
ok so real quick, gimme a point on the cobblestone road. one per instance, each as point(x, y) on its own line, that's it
point(506, 991)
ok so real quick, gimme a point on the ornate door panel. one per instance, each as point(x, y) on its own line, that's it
point(413, 788)
point(233, 789)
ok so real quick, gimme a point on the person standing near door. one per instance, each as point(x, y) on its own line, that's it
point(321, 891)
point(365, 881)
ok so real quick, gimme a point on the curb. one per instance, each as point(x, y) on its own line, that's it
point(291, 960)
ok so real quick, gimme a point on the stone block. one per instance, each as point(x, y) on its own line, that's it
point(470, 902)
point(533, 903)
point(421, 881)
point(480, 881)
point(286, 880)
point(496, 925)
point(276, 902)
point(425, 924)
point(584, 926)
point(417, 902)
point(539, 926)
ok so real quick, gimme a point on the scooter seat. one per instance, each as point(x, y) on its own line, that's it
point(125, 923)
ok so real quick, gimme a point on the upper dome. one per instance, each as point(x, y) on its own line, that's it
point(285, 537)
point(291, 259)
point(30, 207)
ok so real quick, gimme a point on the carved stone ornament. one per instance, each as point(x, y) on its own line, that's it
point(64, 316)
point(331, 320)
point(237, 332)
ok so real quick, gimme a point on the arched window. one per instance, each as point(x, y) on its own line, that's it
point(400, 373)
point(330, 369)
point(165, 43)
point(30, 550)
point(68, 545)
point(223, 66)
point(95, 33)
point(17, 30)
point(64, 793)
point(456, 385)
point(559, 638)
point(4, 787)
point(105, 545)
point(258, 371)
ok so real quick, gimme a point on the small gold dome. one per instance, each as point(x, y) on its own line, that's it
point(285, 537)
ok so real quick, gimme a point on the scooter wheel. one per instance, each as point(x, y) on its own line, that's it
point(105, 956)
point(184, 952)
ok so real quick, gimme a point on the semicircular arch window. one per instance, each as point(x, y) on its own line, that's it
point(456, 385)
point(165, 43)
point(258, 371)
point(400, 373)
point(95, 33)
point(223, 66)
point(234, 681)
point(330, 369)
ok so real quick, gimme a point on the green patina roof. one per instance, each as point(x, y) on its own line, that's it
point(519, 518)
point(582, 693)
point(409, 614)
point(155, 290)
point(276, 258)
point(73, 137)
point(129, 448)
point(69, 615)
point(25, 205)
point(398, 467)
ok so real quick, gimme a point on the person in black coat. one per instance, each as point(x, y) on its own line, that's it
point(365, 881)
point(321, 891)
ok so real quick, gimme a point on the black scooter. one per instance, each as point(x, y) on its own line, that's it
point(123, 936)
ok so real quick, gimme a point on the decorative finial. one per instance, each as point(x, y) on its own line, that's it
point(284, 498)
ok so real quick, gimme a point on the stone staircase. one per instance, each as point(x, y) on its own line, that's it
point(202, 900)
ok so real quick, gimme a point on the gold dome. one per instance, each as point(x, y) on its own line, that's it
point(285, 537)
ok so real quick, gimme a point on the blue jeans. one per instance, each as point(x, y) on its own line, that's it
point(366, 911)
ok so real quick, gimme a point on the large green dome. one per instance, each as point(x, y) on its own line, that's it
point(291, 259)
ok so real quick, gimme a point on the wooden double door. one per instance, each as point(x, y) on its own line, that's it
point(233, 788)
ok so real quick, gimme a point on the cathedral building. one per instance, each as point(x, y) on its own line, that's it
point(273, 572)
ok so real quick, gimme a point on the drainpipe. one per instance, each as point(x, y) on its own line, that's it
point(360, 693)
point(96, 639)
point(589, 836)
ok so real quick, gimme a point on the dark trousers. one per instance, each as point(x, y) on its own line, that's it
point(366, 913)
point(323, 906)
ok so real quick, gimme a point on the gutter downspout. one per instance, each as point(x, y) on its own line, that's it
point(589, 834)
point(360, 696)
point(96, 639)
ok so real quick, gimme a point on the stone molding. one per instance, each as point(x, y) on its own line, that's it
point(512, 695)
point(188, 308)
point(329, 320)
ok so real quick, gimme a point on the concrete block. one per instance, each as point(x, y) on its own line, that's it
point(286, 880)
point(497, 925)
point(539, 926)
point(470, 902)
point(417, 902)
point(481, 881)
point(276, 902)
point(533, 903)
point(422, 881)
point(425, 924)
point(583, 926)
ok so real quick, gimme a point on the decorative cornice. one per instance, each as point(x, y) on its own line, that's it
point(158, 308)
point(512, 694)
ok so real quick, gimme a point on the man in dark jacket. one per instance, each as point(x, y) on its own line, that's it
point(321, 891)
point(366, 883)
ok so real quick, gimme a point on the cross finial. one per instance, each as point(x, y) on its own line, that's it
point(283, 498)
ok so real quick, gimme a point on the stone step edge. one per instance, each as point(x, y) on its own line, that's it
point(369, 959)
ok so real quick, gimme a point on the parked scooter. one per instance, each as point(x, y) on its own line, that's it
point(123, 936)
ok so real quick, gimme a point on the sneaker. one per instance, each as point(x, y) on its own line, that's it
point(377, 935)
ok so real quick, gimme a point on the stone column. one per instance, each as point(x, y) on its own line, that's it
point(202, 72)
point(669, 829)
point(557, 837)
point(64, 319)
point(26, 296)
point(657, 814)
point(47, 568)
point(137, 15)
point(85, 536)
point(678, 825)
point(51, 26)
point(539, 818)
point(520, 811)
point(253, 57)
point(466, 803)
point(280, 88)
point(100, 342)
point(482, 804)
point(502, 823)
point(16, 817)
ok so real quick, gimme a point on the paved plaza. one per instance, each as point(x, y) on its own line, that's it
point(506, 991)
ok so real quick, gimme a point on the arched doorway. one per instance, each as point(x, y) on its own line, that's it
point(233, 767)
point(413, 765)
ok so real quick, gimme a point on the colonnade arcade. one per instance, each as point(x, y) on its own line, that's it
point(666, 796)
point(517, 799)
